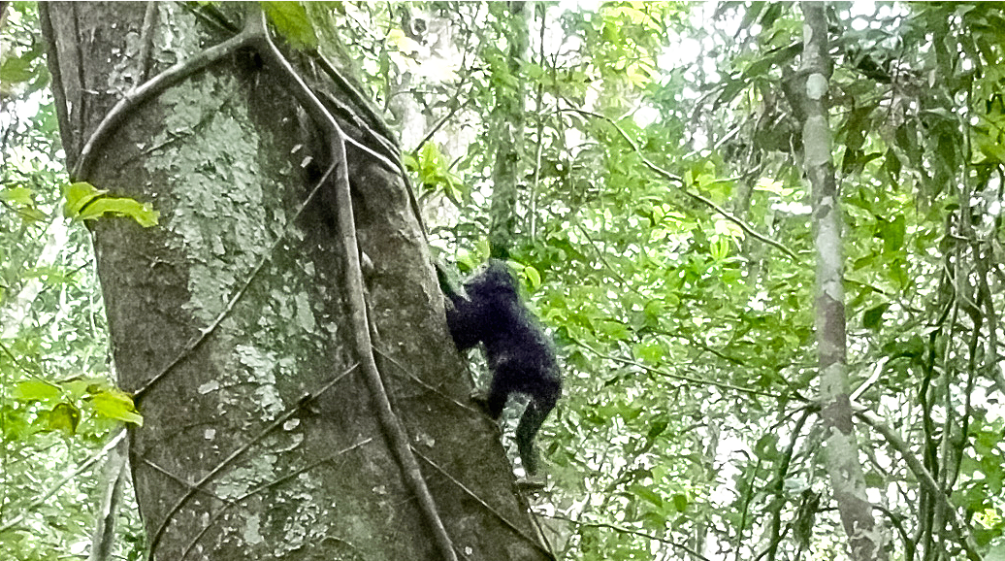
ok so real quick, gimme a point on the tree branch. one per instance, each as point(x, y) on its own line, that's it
point(59, 484)
point(926, 480)
point(749, 230)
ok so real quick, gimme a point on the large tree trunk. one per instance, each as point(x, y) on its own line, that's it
point(230, 319)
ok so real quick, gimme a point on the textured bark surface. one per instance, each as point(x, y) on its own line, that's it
point(847, 479)
point(230, 462)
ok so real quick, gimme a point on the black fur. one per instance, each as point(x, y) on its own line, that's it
point(519, 353)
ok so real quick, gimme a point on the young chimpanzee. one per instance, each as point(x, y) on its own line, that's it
point(519, 354)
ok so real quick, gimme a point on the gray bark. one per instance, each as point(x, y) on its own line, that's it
point(508, 128)
point(847, 480)
point(232, 462)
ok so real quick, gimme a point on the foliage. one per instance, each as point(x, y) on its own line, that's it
point(85, 202)
point(57, 403)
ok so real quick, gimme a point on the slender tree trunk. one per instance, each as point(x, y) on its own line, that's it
point(230, 319)
point(507, 123)
point(847, 479)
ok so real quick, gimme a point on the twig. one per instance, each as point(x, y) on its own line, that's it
point(695, 196)
point(778, 487)
point(603, 259)
point(182, 482)
point(624, 530)
point(59, 484)
point(926, 480)
point(439, 124)
point(683, 377)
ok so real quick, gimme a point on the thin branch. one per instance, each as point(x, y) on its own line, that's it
point(103, 539)
point(411, 376)
point(926, 480)
point(775, 506)
point(749, 230)
point(149, 90)
point(603, 259)
point(56, 83)
point(683, 377)
point(180, 480)
point(206, 331)
point(31, 508)
point(393, 160)
point(228, 504)
point(355, 96)
point(634, 532)
point(895, 520)
point(147, 39)
point(506, 522)
point(439, 124)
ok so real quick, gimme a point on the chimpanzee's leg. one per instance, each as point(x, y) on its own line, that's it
point(499, 391)
point(533, 417)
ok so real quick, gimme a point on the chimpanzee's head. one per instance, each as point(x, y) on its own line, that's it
point(495, 281)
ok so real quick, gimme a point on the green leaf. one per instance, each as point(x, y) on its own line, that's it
point(117, 405)
point(533, 277)
point(291, 22)
point(913, 347)
point(657, 426)
point(77, 195)
point(86, 202)
point(16, 195)
point(751, 14)
point(647, 494)
point(856, 127)
point(720, 248)
point(15, 70)
point(650, 352)
point(35, 390)
point(892, 165)
point(893, 232)
point(142, 213)
point(992, 150)
point(680, 502)
point(64, 417)
point(873, 317)
point(30, 215)
point(767, 447)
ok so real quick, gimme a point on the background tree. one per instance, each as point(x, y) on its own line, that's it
point(808, 97)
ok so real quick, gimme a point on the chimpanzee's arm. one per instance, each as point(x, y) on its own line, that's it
point(463, 320)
